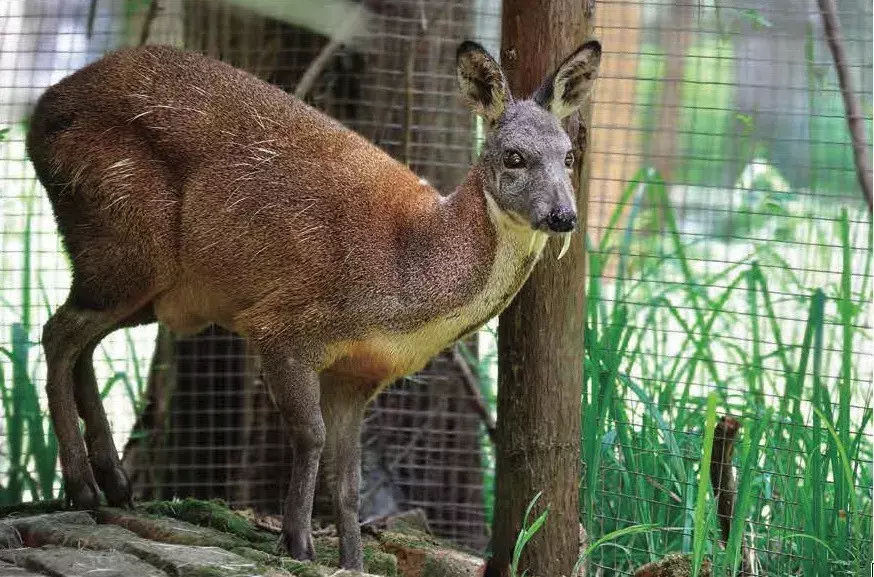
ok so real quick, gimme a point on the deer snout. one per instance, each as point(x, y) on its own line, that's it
point(561, 219)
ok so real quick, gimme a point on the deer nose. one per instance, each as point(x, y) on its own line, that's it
point(561, 220)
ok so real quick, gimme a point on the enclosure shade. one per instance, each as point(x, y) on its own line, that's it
point(540, 335)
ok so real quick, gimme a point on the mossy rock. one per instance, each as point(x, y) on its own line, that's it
point(9, 570)
point(214, 514)
point(70, 529)
point(62, 518)
point(412, 536)
point(168, 530)
point(420, 555)
point(79, 531)
point(191, 561)
point(287, 564)
point(55, 560)
point(10, 538)
point(14, 530)
point(32, 508)
point(375, 560)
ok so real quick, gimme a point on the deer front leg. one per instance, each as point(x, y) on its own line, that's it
point(343, 409)
point(294, 387)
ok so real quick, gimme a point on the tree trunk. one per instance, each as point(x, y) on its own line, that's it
point(540, 335)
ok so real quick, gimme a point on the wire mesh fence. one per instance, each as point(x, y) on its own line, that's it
point(730, 254)
point(724, 199)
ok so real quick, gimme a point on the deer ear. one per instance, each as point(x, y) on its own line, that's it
point(570, 86)
point(481, 82)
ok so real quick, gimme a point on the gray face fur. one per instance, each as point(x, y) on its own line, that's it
point(527, 155)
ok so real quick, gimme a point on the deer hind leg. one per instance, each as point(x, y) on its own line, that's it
point(66, 336)
point(102, 453)
point(121, 258)
point(343, 404)
point(294, 387)
point(118, 215)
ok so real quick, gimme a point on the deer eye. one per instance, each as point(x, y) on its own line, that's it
point(513, 159)
point(569, 159)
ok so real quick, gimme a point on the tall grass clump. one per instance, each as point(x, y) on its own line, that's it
point(31, 446)
point(771, 334)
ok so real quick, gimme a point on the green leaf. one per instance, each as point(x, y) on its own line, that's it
point(612, 536)
point(701, 525)
point(755, 18)
point(526, 534)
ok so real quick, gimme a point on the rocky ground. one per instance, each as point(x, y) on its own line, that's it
point(192, 538)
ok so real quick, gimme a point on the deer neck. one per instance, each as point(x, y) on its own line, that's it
point(476, 256)
point(518, 247)
point(460, 261)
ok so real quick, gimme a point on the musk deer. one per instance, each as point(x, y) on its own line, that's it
point(189, 192)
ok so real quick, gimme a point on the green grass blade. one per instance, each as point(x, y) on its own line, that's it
point(843, 490)
point(846, 468)
point(815, 319)
point(701, 526)
point(644, 177)
point(861, 434)
point(609, 537)
point(526, 534)
point(118, 377)
point(675, 455)
point(819, 542)
point(17, 423)
point(753, 370)
point(139, 379)
point(773, 319)
point(27, 261)
point(816, 474)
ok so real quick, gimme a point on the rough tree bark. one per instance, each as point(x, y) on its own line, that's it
point(540, 335)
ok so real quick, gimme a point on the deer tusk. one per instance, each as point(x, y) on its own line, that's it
point(565, 245)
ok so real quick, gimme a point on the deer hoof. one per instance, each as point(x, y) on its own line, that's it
point(299, 545)
point(82, 493)
point(114, 482)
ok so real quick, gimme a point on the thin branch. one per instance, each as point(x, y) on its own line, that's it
point(92, 16)
point(147, 24)
point(471, 383)
point(316, 67)
point(835, 40)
